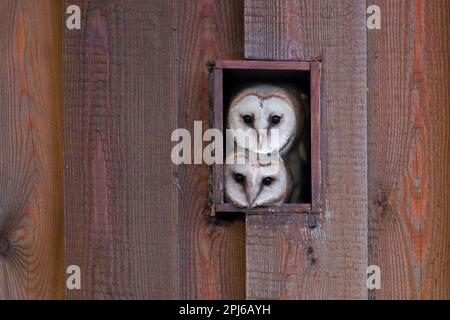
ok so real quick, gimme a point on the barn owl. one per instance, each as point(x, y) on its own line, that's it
point(268, 119)
point(250, 182)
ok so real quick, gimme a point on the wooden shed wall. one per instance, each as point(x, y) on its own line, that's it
point(139, 227)
point(408, 144)
point(31, 164)
point(285, 258)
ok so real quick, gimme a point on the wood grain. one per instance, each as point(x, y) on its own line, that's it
point(409, 144)
point(285, 258)
point(212, 251)
point(121, 202)
point(31, 198)
point(137, 225)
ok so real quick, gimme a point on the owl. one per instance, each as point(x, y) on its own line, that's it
point(267, 119)
point(250, 182)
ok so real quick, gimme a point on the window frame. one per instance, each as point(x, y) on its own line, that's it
point(216, 69)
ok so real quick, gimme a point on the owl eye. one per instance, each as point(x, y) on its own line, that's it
point(276, 119)
point(247, 119)
point(240, 178)
point(267, 181)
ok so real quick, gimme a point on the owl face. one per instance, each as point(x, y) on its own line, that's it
point(264, 119)
point(250, 183)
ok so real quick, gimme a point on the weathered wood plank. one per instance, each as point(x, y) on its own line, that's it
point(285, 259)
point(120, 108)
point(409, 142)
point(31, 197)
point(212, 251)
point(137, 225)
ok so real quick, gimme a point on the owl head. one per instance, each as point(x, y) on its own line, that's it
point(250, 182)
point(266, 118)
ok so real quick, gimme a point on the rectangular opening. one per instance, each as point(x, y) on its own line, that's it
point(299, 80)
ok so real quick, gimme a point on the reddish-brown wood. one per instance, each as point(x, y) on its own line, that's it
point(316, 166)
point(217, 109)
point(137, 225)
point(212, 251)
point(409, 148)
point(121, 199)
point(31, 159)
point(140, 227)
point(286, 258)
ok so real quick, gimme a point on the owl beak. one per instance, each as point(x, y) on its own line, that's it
point(253, 196)
point(251, 202)
point(262, 139)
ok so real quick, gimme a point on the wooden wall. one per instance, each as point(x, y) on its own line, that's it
point(409, 144)
point(286, 259)
point(31, 164)
point(139, 227)
point(405, 168)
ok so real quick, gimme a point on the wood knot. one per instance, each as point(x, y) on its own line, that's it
point(380, 202)
point(4, 247)
point(310, 255)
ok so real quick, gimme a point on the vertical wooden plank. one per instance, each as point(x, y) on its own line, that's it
point(409, 142)
point(217, 100)
point(212, 256)
point(120, 108)
point(31, 198)
point(285, 259)
point(315, 136)
point(138, 226)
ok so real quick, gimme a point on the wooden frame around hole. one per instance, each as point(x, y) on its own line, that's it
point(314, 68)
